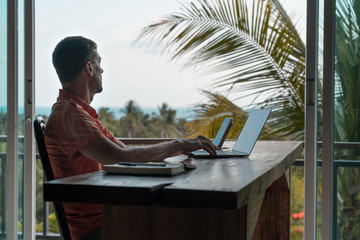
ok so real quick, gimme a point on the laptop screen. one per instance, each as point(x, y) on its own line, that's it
point(251, 130)
point(222, 133)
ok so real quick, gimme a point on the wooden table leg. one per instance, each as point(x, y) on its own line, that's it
point(164, 223)
point(274, 217)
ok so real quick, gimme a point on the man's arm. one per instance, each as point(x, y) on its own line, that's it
point(120, 144)
point(107, 152)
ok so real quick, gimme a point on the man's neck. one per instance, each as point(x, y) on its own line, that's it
point(81, 91)
point(81, 86)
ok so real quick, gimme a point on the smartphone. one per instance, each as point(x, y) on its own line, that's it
point(223, 132)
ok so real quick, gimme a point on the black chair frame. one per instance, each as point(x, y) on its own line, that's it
point(39, 128)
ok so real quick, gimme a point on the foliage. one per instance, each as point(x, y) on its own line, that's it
point(166, 122)
point(53, 226)
point(39, 227)
point(108, 120)
point(39, 193)
point(3, 125)
point(259, 55)
point(347, 119)
point(135, 123)
point(210, 116)
point(347, 77)
point(297, 205)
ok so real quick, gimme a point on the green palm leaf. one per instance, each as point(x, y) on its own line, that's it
point(211, 115)
point(261, 54)
point(347, 50)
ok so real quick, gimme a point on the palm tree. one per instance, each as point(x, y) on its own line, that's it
point(259, 55)
point(166, 122)
point(108, 120)
point(132, 121)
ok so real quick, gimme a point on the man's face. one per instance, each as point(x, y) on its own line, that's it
point(97, 70)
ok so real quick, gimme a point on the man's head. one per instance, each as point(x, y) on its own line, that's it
point(71, 55)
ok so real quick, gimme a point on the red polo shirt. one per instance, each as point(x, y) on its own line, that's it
point(72, 125)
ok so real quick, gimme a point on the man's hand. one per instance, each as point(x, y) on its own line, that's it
point(199, 142)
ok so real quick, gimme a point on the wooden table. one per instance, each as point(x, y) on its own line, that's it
point(234, 198)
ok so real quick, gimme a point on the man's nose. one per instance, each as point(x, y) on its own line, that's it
point(102, 70)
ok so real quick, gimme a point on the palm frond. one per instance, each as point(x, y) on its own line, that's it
point(262, 53)
point(211, 115)
point(347, 77)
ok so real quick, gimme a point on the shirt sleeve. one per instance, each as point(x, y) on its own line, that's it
point(106, 132)
point(75, 130)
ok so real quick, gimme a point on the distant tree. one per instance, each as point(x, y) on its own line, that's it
point(132, 123)
point(3, 130)
point(108, 119)
point(181, 126)
point(166, 122)
point(135, 123)
point(3, 123)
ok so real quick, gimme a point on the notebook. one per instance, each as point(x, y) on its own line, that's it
point(152, 169)
point(246, 140)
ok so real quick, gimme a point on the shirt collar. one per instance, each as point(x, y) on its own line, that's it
point(66, 95)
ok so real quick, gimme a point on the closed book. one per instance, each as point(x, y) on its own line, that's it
point(163, 169)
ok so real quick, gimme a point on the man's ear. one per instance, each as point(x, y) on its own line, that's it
point(89, 67)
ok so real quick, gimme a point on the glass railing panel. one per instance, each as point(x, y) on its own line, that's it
point(46, 224)
point(297, 202)
point(348, 182)
point(347, 201)
point(2, 193)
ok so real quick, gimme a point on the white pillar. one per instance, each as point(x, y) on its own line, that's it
point(12, 133)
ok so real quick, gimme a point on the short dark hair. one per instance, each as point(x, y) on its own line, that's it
point(70, 55)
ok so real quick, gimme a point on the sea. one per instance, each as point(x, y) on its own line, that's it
point(186, 113)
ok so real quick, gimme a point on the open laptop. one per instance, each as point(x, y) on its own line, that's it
point(246, 140)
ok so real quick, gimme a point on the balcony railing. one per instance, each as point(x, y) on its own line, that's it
point(133, 141)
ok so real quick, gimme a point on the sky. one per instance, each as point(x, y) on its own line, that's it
point(130, 73)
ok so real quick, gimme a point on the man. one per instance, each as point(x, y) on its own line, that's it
point(76, 140)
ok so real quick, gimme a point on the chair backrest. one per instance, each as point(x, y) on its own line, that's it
point(39, 128)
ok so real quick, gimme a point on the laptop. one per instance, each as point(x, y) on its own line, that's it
point(246, 140)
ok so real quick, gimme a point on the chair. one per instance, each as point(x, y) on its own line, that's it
point(39, 127)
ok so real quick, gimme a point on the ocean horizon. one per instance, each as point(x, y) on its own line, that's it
point(181, 112)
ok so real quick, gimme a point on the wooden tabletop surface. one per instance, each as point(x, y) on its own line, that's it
point(215, 183)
